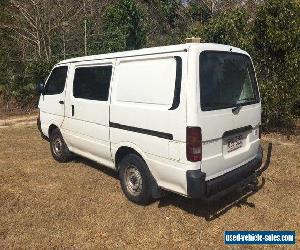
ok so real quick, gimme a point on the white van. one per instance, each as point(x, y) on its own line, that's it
point(184, 118)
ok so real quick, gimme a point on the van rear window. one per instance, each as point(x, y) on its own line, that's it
point(227, 80)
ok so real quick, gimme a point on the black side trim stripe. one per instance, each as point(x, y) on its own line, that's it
point(177, 90)
point(142, 131)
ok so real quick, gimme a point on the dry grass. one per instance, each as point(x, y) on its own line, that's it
point(15, 113)
point(18, 120)
point(44, 204)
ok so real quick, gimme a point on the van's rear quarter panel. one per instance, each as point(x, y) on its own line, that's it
point(156, 117)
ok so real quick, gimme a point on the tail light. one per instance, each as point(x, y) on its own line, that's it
point(193, 144)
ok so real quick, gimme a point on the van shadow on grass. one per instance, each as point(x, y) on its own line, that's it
point(209, 211)
point(214, 209)
point(108, 171)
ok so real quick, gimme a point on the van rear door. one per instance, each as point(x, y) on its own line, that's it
point(230, 112)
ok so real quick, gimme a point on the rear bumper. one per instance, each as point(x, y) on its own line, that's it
point(197, 187)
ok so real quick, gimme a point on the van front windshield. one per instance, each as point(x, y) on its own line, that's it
point(227, 80)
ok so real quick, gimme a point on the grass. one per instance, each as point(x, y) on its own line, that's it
point(44, 204)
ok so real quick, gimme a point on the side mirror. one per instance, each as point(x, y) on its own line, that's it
point(40, 88)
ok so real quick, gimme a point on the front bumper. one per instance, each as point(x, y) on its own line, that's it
point(38, 123)
point(197, 187)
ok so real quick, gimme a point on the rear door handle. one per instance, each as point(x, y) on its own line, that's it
point(61, 102)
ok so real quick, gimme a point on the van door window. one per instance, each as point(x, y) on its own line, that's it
point(92, 83)
point(56, 81)
point(227, 80)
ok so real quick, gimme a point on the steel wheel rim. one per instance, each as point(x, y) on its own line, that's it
point(57, 146)
point(133, 180)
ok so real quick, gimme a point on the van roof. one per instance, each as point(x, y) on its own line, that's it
point(150, 51)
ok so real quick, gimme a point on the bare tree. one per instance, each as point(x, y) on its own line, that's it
point(37, 23)
point(45, 29)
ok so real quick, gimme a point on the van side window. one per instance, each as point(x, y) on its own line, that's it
point(92, 82)
point(149, 81)
point(56, 81)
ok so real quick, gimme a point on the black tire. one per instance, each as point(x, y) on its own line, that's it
point(136, 180)
point(59, 148)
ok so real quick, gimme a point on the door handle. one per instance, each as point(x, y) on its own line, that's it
point(61, 102)
point(72, 110)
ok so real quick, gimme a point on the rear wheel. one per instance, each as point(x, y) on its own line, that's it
point(136, 180)
point(59, 148)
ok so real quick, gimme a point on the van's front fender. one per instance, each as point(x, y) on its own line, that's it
point(47, 120)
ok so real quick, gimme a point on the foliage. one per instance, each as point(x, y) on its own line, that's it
point(123, 27)
point(169, 11)
point(20, 91)
point(199, 11)
point(34, 36)
point(273, 39)
point(276, 42)
point(229, 28)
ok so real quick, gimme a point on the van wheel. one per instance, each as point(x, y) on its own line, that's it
point(59, 148)
point(136, 180)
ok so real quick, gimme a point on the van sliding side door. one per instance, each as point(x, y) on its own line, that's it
point(87, 114)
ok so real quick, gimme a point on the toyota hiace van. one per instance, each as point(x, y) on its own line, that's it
point(183, 118)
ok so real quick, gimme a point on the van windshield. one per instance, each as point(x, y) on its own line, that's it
point(227, 80)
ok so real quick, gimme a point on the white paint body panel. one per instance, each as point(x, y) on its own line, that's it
point(87, 132)
point(215, 162)
point(51, 111)
point(141, 94)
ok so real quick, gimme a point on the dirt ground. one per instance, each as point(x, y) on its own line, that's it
point(44, 204)
point(15, 113)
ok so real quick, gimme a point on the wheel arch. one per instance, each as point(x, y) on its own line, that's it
point(51, 129)
point(124, 150)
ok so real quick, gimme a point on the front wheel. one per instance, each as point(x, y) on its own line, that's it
point(136, 180)
point(59, 148)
